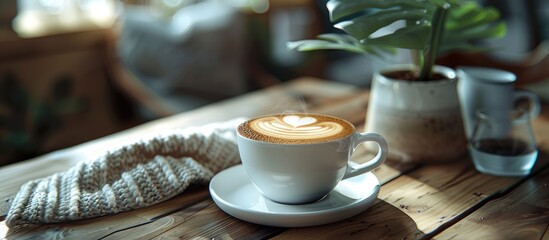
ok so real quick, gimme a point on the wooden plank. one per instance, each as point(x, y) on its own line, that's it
point(416, 204)
point(208, 223)
point(420, 203)
point(521, 214)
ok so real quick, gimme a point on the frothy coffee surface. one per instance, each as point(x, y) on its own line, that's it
point(296, 128)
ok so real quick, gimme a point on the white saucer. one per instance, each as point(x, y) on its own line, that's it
point(233, 192)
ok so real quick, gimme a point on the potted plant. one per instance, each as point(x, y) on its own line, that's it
point(415, 106)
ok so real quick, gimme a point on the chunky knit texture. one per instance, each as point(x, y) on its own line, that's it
point(131, 177)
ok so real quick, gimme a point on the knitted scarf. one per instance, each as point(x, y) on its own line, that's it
point(131, 177)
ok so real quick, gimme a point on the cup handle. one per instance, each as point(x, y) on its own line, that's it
point(535, 108)
point(374, 162)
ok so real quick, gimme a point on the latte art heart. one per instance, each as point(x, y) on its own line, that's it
point(297, 121)
point(277, 127)
point(296, 128)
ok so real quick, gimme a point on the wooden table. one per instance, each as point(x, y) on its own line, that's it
point(446, 201)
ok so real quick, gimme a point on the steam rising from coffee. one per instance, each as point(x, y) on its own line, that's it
point(296, 104)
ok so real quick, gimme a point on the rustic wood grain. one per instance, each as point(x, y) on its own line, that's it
point(210, 223)
point(521, 214)
point(445, 201)
point(416, 204)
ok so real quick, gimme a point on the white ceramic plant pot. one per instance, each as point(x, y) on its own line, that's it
point(421, 121)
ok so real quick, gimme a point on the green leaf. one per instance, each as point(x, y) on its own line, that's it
point(335, 37)
point(477, 33)
point(463, 23)
point(311, 45)
point(465, 40)
point(471, 16)
point(340, 9)
point(363, 26)
point(412, 37)
point(440, 3)
point(385, 50)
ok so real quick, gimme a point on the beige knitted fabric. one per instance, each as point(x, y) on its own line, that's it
point(131, 177)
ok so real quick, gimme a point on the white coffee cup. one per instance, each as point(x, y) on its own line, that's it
point(489, 88)
point(298, 173)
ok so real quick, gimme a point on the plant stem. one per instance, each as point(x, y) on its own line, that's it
point(437, 30)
